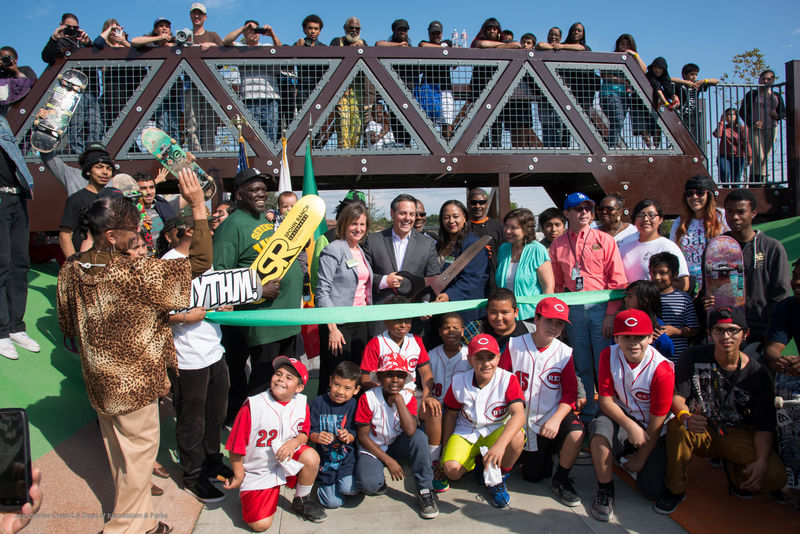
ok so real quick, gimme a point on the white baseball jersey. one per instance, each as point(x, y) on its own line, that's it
point(539, 375)
point(444, 368)
point(270, 423)
point(632, 386)
point(412, 350)
point(483, 410)
point(384, 423)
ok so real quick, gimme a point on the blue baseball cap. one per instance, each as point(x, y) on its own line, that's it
point(576, 199)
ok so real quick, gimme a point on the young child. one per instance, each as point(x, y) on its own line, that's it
point(677, 309)
point(543, 365)
point(446, 360)
point(387, 430)
point(484, 408)
point(501, 317)
point(271, 429)
point(643, 295)
point(635, 387)
point(552, 223)
point(333, 429)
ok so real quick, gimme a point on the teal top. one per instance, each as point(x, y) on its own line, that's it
point(526, 281)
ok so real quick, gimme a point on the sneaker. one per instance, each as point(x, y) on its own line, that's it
point(205, 491)
point(220, 470)
point(8, 349)
point(308, 509)
point(499, 494)
point(741, 493)
point(565, 492)
point(25, 341)
point(439, 484)
point(668, 502)
point(427, 504)
point(603, 506)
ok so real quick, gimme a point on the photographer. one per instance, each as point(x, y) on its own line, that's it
point(9, 67)
point(160, 36)
point(113, 35)
point(67, 36)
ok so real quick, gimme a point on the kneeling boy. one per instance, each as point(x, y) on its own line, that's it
point(543, 365)
point(478, 405)
point(387, 430)
point(271, 428)
point(635, 389)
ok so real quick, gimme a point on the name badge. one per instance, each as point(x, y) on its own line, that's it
point(352, 263)
point(449, 259)
point(576, 273)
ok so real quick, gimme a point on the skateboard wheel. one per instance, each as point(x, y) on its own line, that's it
point(778, 403)
point(60, 77)
point(36, 122)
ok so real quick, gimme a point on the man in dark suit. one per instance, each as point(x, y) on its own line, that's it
point(399, 248)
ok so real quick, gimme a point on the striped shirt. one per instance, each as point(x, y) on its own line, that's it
point(678, 310)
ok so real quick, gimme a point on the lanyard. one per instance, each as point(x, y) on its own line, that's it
point(579, 261)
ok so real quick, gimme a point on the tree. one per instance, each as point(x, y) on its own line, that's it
point(747, 67)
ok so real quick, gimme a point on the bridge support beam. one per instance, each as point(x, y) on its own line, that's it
point(503, 194)
point(793, 129)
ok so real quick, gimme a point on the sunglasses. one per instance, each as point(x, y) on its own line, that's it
point(582, 209)
point(476, 202)
point(603, 209)
point(421, 214)
point(354, 28)
point(689, 193)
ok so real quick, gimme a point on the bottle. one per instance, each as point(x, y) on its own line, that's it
point(454, 37)
point(464, 43)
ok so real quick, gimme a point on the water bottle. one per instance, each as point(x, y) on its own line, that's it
point(464, 43)
point(454, 37)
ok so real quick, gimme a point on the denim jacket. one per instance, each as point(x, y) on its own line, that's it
point(9, 144)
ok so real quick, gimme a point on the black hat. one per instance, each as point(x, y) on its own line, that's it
point(246, 175)
point(435, 26)
point(727, 314)
point(93, 158)
point(700, 182)
point(400, 24)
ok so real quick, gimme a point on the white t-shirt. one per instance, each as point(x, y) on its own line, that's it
point(384, 138)
point(693, 243)
point(628, 231)
point(636, 256)
point(197, 345)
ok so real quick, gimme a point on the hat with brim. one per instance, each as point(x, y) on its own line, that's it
point(553, 308)
point(245, 175)
point(391, 361)
point(727, 315)
point(576, 199)
point(294, 363)
point(632, 323)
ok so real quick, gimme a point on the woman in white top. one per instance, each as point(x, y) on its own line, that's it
point(636, 250)
point(609, 218)
point(701, 222)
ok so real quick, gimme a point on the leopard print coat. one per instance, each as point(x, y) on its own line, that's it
point(120, 316)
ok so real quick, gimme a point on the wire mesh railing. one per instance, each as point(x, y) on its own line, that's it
point(741, 128)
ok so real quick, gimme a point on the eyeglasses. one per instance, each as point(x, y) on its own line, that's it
point(649, 216)
point(603, 209)
point(354, 28)
point(689, 193)
point(476, 202)
point(582, 209)
point(421, 214)
point(722, 332)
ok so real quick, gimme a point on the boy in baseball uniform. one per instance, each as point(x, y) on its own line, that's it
point(546, 373)
point(268, 448)
point(635, 389)
point(484, 408)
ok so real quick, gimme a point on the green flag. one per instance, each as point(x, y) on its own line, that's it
point(310, 188)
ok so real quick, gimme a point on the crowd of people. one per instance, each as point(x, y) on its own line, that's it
point(361, 118)
point(488, 389)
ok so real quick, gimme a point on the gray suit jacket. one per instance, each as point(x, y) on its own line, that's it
point(336, 285)
point(420, 259)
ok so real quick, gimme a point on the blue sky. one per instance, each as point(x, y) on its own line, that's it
point(707, 33)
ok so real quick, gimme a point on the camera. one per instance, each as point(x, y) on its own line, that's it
point(183, 36)
point(261, 31)
point(71, 31)
point(6, 61)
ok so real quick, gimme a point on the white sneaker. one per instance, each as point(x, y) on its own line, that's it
point(8, 349)
point(25, 341)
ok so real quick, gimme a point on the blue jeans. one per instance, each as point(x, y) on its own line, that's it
point(615, 107)
point(369, 470)
point(585, 336)
point(265, 112)
point(730, 168)
point(168, 118)
point(86, 125)
point(332, 495)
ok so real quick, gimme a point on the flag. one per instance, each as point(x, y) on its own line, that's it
point(243, 164)
point(310, 188)
point(285, 181)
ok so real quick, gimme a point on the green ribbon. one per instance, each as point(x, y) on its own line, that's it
point(358, 314)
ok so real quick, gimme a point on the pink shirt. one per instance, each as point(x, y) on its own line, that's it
point(596, 254)
point(360, 298)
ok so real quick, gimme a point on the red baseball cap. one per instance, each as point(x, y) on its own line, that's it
point(553, 308)
point(483, 342)
point(632, 323)
point(293, 362)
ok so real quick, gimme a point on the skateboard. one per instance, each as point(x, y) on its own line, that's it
point(230, 287)
point(788, 414)
point(174, 158)
point(128, 187)
point(53, 118)
point(282, 248)
point(723, 273)
point(420, 289)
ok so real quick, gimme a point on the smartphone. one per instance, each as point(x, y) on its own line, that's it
point(15, 459)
